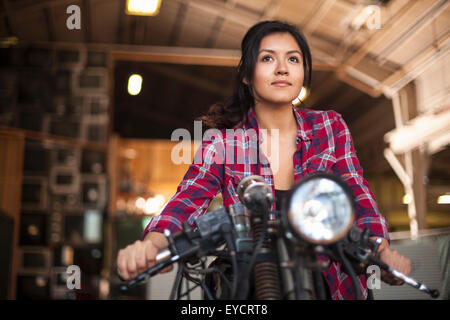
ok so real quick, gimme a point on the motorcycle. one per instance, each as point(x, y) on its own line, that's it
point(260, 254)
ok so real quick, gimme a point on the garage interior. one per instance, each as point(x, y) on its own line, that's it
point(84, 164)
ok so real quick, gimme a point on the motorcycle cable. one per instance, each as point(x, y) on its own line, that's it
point(183, 269)
point(176, 284)
point(187, 270)
point(198, 282)
point(188, 289)
point(214, 270)
point(226, 233)
point(349, 269)
point(203, 271)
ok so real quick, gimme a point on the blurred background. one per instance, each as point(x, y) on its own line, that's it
point(91, 91)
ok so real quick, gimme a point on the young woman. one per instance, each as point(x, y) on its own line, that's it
point(275, 65)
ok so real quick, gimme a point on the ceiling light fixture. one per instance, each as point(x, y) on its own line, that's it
point(143, 7)
point(444, 199)
point(134, 84)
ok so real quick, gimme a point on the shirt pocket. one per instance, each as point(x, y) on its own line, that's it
point(320, 162)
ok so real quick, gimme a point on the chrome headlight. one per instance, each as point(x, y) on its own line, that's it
point(320, 209)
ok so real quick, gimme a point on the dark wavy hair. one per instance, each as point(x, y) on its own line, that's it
point(234, 110)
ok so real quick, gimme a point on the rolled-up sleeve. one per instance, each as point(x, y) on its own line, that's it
point(201, 183)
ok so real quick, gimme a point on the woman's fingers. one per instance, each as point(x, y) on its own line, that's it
point(131, 261)
point(141, 259)
point(390, 279)
point(137, 258)
point(122, 265)
point(396, 261)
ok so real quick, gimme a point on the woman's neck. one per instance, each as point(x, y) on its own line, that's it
point(281, 118)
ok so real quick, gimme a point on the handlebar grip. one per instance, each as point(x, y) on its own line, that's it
point(143, 276)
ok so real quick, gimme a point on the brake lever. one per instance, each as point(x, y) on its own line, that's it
point(363, 251)
point(434, 293)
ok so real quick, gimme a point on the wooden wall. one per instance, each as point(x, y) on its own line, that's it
point(11, 163)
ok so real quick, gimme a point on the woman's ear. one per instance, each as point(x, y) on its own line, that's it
point(244, 80)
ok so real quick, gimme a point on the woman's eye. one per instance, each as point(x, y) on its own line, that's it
point(294, 59)
point(267, 58)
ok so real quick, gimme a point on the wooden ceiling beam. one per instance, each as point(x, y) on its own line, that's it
point(162, 54)
point(141, 30)
point(415, 66)
point(36, 4)
point(215, 30)
point(86, 20)
point(424, 21)
point(8, 16)
point(178, 24)
point(311, 24)
point(271, 10)
point(227, 10)
point(120, 23)
point(364, 81)
point(50, 24)
point(178, 55)
point(358, 84)
point(386, 35)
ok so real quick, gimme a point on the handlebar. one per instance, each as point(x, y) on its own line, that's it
point(362, 251)
point(216, 227)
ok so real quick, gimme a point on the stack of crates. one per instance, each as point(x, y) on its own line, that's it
point(63, 93)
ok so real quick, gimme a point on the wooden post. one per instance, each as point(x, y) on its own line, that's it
point(414, 170)
point(420, 160)
point(11, 164)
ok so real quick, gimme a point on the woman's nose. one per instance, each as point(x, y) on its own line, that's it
point(281, 68)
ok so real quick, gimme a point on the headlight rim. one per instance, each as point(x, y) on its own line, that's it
point(301, 236)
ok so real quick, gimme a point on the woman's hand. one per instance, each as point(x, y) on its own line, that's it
point(395, 260)
point(141, 255)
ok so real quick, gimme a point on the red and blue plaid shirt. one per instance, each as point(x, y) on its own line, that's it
point(324, 143)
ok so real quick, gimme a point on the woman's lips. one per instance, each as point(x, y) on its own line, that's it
point(281, 83)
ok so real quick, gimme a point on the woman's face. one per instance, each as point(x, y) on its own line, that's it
point(278, 74)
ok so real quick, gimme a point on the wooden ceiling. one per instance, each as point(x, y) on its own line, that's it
point(187, 54)
point(365, 58)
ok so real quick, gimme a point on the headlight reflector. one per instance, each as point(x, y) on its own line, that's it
point(321, 209)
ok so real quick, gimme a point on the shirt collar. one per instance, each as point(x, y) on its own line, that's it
point(303, 132)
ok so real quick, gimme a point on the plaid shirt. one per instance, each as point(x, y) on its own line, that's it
point(227, 156)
